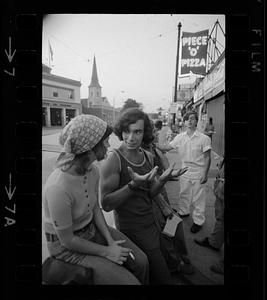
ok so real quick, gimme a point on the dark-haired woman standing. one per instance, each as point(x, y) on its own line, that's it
point(129, 185)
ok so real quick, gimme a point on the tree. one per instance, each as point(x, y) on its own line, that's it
point(131, 103)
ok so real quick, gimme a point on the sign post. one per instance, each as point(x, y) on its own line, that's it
point(177, 68)
point(173, 107)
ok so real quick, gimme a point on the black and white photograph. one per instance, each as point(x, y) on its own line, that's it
point(133, 147)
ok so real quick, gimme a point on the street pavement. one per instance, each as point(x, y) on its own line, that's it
point(200, 257)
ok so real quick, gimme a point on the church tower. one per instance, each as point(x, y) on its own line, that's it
point(94, 96)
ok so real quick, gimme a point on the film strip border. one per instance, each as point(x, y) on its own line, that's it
point(244, 160)
point(21, 133)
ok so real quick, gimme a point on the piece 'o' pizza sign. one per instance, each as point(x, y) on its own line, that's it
point(194, 52)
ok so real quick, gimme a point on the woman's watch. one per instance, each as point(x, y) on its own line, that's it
point(132, 187)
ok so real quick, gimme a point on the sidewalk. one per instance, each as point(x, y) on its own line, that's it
point(201, 257)
point(51, 130)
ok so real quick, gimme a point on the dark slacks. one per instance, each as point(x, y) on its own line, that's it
point(148, 240)
point(217, 237)
point(132, 272)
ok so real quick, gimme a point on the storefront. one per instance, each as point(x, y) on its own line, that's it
point(215, 110)
point(61, 99)
point(56, 116)
point(44, 117)
point(209, 99)
point(70, 113)
point(59, 114)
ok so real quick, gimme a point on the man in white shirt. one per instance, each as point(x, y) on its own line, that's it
point(195, 151)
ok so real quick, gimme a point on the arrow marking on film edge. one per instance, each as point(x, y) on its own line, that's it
point(9, 191)
point(12, 74)
point(9, 54)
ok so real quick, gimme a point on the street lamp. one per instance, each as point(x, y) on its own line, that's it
point(114, 105)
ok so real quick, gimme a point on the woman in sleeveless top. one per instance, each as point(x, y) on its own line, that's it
point(128, 186)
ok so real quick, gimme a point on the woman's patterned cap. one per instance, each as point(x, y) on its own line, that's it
point(81, 134)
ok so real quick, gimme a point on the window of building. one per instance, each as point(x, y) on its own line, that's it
point(55, 93)
point(70, 95)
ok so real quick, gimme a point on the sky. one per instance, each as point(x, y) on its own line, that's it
point(135, 54)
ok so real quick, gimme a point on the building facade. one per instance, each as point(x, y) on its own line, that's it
point(185, 92)
point(209, 101)
point(60, 99)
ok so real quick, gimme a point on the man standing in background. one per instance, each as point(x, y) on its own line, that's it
point(194, 149)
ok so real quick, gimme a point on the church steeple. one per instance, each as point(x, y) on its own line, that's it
point(94, 95)
point(94, 78)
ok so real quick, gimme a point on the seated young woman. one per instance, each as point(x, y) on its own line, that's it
point(74, 224)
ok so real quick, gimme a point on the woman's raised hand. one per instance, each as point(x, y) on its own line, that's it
point(178, 173)
point(171, 174)
point(140, 180)
point(166, 175)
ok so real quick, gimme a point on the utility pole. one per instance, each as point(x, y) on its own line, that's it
point(177, 68)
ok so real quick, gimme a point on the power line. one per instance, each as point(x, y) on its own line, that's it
point(63, 43)
point(161, 35)
point(133, 44)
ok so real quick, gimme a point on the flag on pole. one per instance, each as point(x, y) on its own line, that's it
point(50, 51)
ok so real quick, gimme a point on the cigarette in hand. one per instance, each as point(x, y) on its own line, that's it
point(132, 256)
